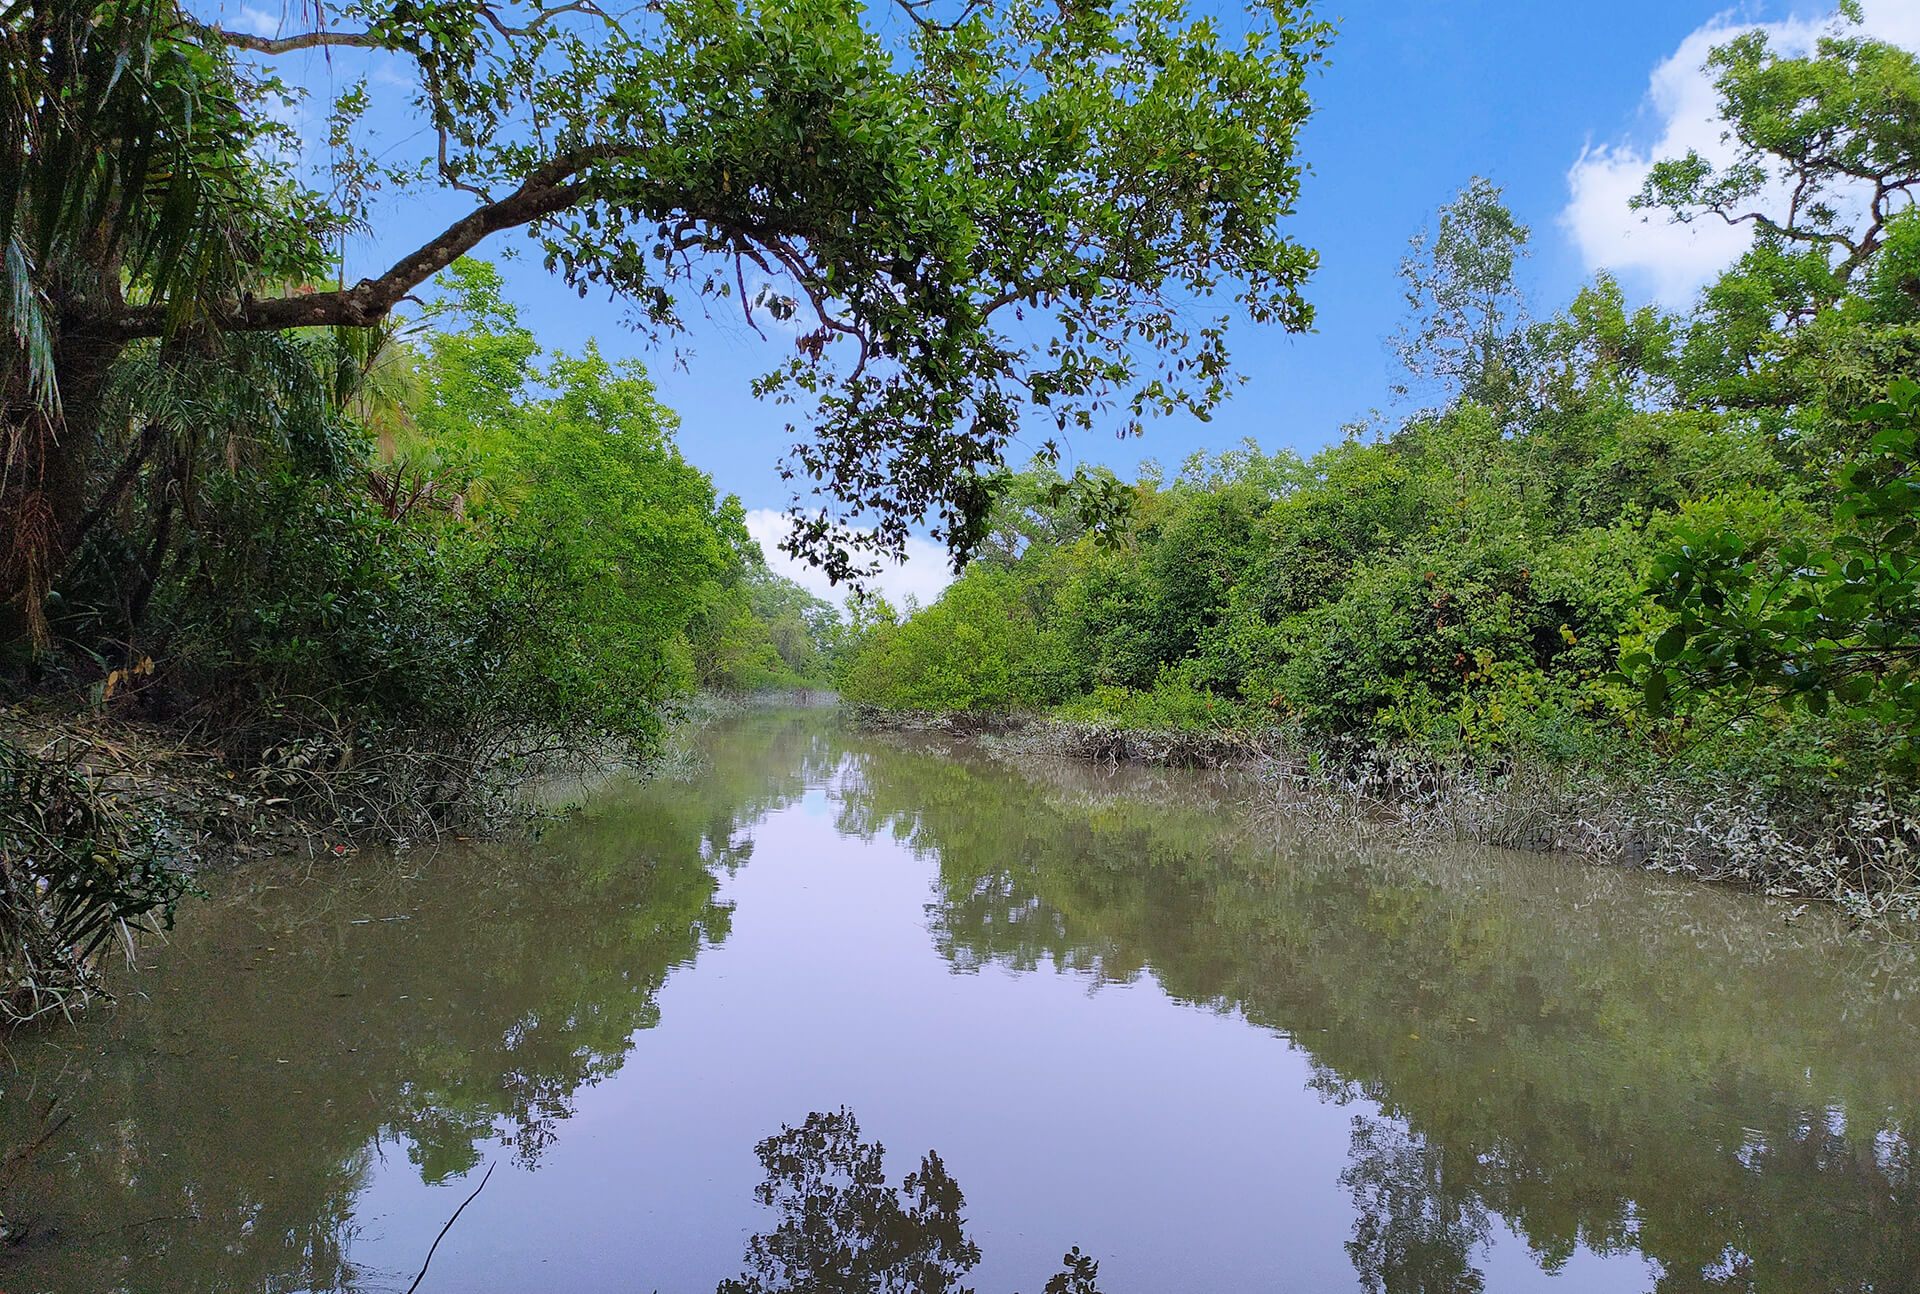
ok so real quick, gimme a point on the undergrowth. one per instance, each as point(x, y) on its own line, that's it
point(78, 872)
point(1858, 847)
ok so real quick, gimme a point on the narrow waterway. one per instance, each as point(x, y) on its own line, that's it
point(1126, 1012)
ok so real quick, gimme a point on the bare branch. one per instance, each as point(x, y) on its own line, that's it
point(446, 171)
point(546, 16)
point(1760, 220)
point(828, 321)
point(739, 277)
point(917, 10)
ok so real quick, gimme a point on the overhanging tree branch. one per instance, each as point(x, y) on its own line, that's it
point(551, 189)
point(374, 40)
point(304, 40)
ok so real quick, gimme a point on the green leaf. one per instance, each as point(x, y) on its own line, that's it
point(1657, 692)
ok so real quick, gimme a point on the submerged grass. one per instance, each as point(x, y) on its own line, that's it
point(1858, 848)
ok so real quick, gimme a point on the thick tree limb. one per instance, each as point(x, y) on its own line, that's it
point(305, 40)
point(551, 189)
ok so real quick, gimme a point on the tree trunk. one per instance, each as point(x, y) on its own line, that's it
point(44, 493)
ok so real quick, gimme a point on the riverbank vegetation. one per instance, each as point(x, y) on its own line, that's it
point(1637, 583)
point(378, 554)
point(455, 565)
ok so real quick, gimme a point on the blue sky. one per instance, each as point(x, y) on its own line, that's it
point(1559, 103)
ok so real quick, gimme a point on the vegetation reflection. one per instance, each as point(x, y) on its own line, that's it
point(299, 1033)
point(844, 1230)
point(1590, 1057)
point(1599, 1058)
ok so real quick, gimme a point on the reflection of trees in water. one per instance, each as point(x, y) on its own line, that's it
point(298, 1033)
point(844, 1230)
point(1600, 1059)
point(1621, 1076)
point(1411, 1235)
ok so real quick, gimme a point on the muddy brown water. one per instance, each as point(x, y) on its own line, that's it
point(1126, 1013)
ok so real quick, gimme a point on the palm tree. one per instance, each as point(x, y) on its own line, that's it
point(127, 177)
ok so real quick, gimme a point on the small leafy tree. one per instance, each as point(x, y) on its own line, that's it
point(1465, 331)
point(1824, 149)
point(1814, 319)
point(76, 873)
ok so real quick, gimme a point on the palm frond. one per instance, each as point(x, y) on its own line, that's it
point(26, 319)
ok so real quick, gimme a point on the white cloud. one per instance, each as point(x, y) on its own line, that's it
point(922, 576)
point(258, 22)
point(1673, 261)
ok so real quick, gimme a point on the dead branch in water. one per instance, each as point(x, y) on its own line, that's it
point(443, 1230)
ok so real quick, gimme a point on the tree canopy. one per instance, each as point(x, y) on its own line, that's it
point(1674, 547)
point(961, 216)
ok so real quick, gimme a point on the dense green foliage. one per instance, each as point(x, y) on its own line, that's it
point(387, 577)
point(379, 562)
point(459, 551)
point(1819, 622)
point(1615, 536)
point(966, 212)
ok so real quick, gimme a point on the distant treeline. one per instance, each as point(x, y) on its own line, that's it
point(1615, 536)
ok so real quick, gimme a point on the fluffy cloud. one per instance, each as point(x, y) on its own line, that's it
point(920, 577)
point(258, 21)
point(1673, 261)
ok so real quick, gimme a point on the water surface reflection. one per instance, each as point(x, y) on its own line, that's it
point(1600, 1058)
point(844, 1230)
point(1529, 1068)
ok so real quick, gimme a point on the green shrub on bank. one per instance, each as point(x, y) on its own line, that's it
point(978, 648)
point(77, 873)
point(1678, 554)
point(1172, 704)
point(303, 610)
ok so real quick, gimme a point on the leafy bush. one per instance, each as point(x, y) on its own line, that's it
point(74, 874)
point(977, 648)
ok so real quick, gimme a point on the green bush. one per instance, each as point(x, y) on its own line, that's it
point(75, 873)
point(977, 648)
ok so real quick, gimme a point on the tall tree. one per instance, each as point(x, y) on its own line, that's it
point(130, 188)
point(1465, 330)
point(905, 188)
point(1813, 331)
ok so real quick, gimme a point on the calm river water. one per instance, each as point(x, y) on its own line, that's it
point(1123, 1014)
